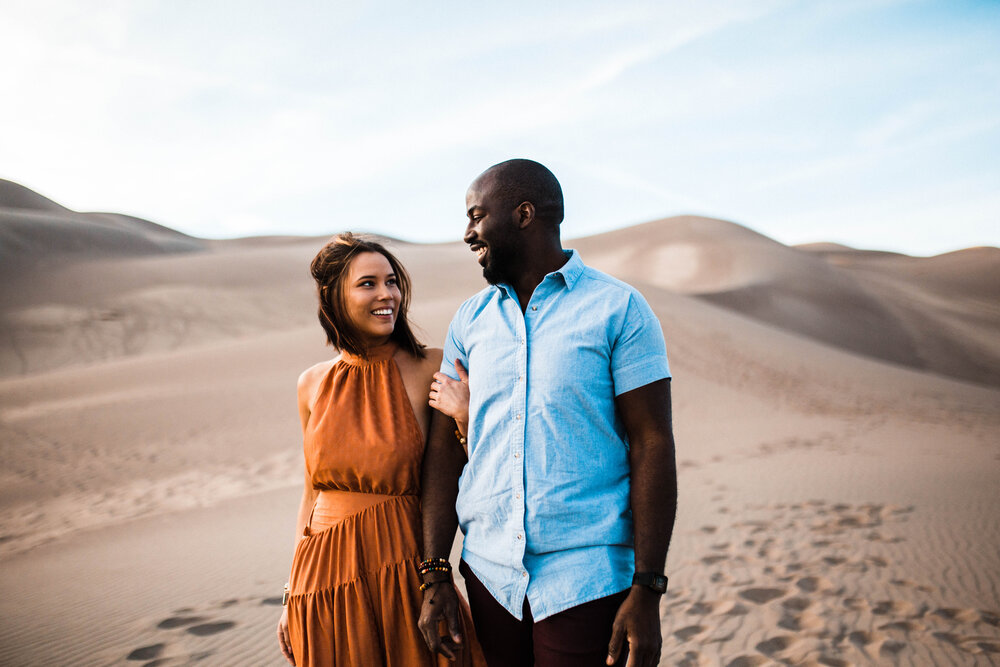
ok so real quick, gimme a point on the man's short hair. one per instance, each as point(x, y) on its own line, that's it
point(519, 180)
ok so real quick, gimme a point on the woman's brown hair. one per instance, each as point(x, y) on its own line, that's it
point(329, 269)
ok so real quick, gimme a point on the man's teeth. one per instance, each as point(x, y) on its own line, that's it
point(480, 251)
point(382, 311)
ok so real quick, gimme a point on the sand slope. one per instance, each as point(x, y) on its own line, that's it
point(837, 502)
point(940, 313)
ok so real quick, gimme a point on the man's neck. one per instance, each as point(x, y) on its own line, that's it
point(535, 270)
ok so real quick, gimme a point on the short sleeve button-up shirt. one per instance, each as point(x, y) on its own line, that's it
point(544, 499)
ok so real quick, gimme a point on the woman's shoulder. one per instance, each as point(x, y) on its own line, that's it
point(422, 366)
point(433, 356)
point(312, 375)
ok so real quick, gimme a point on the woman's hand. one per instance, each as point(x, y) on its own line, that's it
point(452, 396)
point(284, 641)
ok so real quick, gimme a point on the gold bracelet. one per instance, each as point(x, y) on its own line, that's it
point(284, 597)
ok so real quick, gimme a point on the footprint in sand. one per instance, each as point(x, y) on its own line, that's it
point(906, 627)
point(693, 659)
point(179, 622)
point(912, 584)
point(797, 617)
point(895, 608)
point(830, 661)
point(958, 615)
point(855, 604)
point(814, 584)
point(701, 608)
point(868, 642)
point(891, 648)
point(691, 631)
point(799, 622)
point(206, 629)
point(776, 645)
point(797, 604)
point(762, 595)
point(276, 602)
point(747, 661)
point(150, 652)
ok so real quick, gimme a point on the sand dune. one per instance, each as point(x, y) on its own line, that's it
point(939, 313)
point(36, 232)
point(836, 411)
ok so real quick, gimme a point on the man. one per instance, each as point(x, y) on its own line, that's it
point(570, 487)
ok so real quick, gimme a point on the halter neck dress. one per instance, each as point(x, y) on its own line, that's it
point(354, 595)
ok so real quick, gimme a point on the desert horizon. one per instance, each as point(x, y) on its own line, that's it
point(837, 416)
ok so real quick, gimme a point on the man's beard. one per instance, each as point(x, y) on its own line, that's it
point(498, 265)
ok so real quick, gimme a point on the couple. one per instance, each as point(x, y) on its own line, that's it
point(567, 494)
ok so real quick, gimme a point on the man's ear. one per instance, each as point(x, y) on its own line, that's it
point(524, 214)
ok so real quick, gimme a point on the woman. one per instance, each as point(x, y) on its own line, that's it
point(354, 595)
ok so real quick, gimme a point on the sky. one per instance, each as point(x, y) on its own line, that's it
point(873, 123)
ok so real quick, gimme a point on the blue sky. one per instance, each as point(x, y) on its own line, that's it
point(871, 123)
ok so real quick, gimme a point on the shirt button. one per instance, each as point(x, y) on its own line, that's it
point(534, 307)
point(520, 536)
point(524, 574)
point(519, 415)
point(517, 455)
point(517, 495)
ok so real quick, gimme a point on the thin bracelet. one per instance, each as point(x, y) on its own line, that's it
point(427, 584)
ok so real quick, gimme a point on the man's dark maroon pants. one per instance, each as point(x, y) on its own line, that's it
point(576, 637)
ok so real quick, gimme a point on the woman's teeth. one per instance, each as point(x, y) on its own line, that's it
point(382, 312)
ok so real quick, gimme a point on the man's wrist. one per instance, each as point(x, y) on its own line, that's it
point(652, 581)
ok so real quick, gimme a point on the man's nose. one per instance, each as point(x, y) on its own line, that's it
point(470, 232)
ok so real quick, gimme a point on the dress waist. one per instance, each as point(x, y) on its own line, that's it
point(333, 506)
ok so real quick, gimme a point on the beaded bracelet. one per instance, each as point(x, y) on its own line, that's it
point(434, 565)
point(427, 584)
point(462, 440)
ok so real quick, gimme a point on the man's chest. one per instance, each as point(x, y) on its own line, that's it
point(546, 351)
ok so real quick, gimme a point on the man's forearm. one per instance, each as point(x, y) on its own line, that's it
point(654, 501)
point(442, 466)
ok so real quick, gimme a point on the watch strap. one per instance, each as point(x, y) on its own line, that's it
point(654, 581)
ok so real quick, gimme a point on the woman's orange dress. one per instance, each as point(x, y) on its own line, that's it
point(354, 590)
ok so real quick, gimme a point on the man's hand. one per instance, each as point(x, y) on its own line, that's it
point(452, 396)
point(441, 603)
point(638, 622)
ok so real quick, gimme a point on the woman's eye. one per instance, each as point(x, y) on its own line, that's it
point(366, 283)
point(391, 281)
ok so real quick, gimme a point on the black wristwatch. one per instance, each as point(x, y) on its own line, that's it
point(652, 580)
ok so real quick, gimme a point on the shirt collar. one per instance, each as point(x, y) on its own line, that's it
point(570, 272)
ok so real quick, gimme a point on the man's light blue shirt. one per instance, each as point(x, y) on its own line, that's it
point(544, 499)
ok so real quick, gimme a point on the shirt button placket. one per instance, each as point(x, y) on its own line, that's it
point(520, 408)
